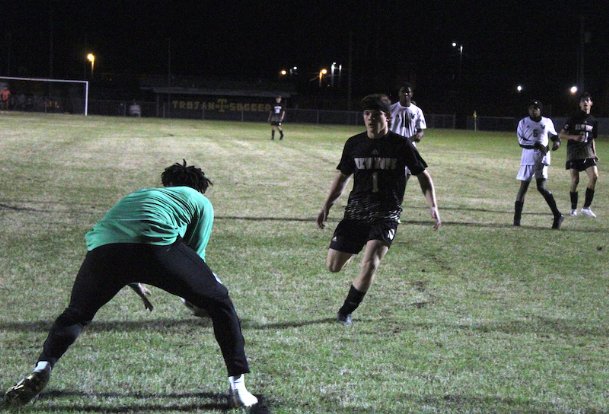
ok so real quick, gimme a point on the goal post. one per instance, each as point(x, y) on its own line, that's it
point(47, 95)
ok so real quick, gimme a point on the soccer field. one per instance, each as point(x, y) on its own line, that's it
point(479, 317)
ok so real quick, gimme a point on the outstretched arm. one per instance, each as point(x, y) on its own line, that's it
point(429, 192)
point(336, 189)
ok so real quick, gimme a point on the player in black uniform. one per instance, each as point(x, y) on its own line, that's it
point(581, 130)
point(376, 159)
point(276, 117)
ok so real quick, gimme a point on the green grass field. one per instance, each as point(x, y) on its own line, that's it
point(479, 317)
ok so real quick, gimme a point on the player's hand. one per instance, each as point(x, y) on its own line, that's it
point(322, 217)
point(541, 148)
point(556, 145)
point(435, 215)
point(142, 291)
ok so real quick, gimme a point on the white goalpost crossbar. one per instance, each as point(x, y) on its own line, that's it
point(86, 109)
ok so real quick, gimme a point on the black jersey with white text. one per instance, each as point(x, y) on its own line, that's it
point(277, 112)
point(581, 124)
point(379, 179)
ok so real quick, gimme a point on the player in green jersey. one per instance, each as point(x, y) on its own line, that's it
point(155, 236)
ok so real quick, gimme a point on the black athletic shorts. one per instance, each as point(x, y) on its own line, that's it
point(580, 165)
point(276, 123)
point(351, 236)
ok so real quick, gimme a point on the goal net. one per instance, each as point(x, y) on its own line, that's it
point(44, 95)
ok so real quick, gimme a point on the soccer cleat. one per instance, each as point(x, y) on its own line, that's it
point(587, 212)
point(241, 398)
point(557, 221)
point(573, 213)
point(27, 389)
point(517, 223)
point(346, 320)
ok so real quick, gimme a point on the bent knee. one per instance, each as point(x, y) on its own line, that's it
point(334, 267)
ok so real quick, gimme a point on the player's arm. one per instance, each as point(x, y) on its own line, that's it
point(429, 191)
point(142, 291)
point(336, 189)
point(564, 134)
point(418, 136)
point(555, 142)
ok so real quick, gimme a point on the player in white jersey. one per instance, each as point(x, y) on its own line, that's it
point(407, 119)
point(534, 133)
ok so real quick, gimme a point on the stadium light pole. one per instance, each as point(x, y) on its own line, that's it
point(91, 58)
point(460, 49)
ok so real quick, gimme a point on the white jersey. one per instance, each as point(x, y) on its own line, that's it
point(407, 120)
point(531, 132)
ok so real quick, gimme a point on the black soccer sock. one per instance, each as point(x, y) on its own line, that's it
point(354, 298)
point(589, 198)
point(518, 205)
point(573, 196)
point(273, 134)
point(549, 197)
point(281, 136)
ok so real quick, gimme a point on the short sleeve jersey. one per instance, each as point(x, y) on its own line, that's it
point(379, 181)
point(277, 110)
point(581, 123)
point(156, 216)
point(407, 120)
point(529, 133)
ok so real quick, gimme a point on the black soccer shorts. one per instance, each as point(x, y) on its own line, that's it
point(580, 165)
point(351, 236)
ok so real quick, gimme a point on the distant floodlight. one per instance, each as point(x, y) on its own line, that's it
point(573, 90)
point(283, 72)
point(91, 58)
point(519, 88)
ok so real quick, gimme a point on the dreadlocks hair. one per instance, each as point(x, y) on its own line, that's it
point(189, 176)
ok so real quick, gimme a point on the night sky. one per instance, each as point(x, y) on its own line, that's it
point(505, 43)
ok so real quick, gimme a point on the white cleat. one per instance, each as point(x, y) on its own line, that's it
point(241, 398)
point(587, 212)
point(573, 213)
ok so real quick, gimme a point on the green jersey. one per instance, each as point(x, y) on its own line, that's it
point(156, 216)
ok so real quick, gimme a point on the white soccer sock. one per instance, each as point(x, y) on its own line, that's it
point(42, 365)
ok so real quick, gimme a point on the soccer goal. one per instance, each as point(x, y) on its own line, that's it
point(46, 95)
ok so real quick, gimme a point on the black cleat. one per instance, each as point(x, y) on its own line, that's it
point(346, 320)
point(27, 389)
point(517, 223)
point(557, 221)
